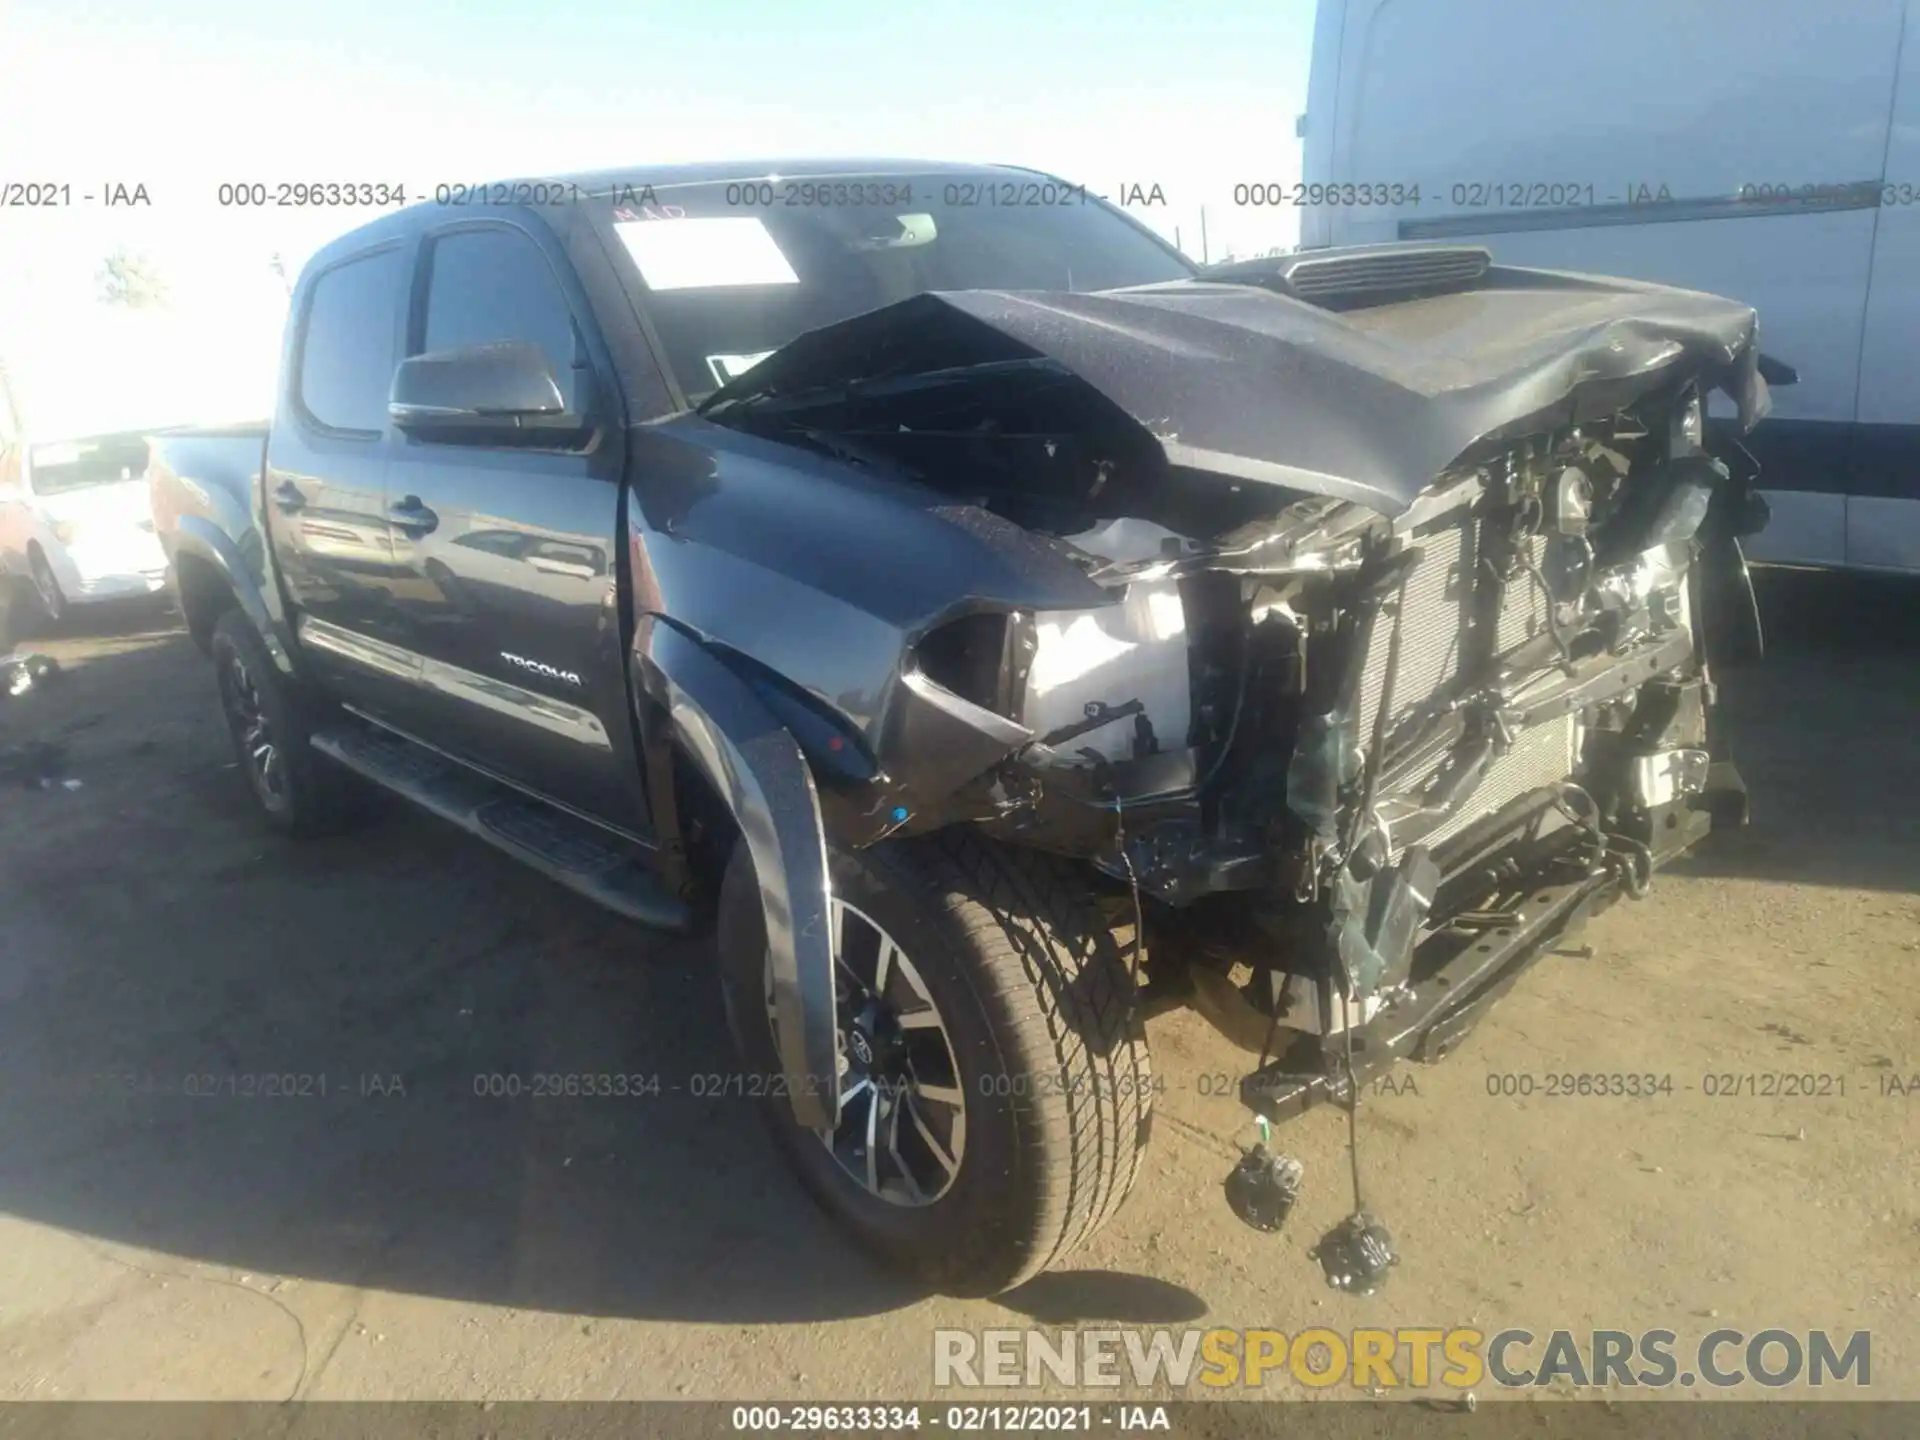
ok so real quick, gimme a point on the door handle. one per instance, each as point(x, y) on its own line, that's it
point(410, 515)
point(287, 496)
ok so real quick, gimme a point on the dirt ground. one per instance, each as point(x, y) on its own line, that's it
point(401, 1236)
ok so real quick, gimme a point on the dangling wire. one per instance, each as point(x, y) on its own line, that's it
point(1353, 1109)
point(1526, 526)
point(1589, 824)
point(1133, 883)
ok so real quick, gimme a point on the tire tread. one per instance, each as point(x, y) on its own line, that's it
point(1057, 973)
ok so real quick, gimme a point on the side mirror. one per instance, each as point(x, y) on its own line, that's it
point(481, 393)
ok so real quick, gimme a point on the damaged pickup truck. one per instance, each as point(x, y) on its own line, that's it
point(1001, 629)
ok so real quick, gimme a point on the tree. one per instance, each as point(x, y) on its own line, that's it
point(131, 281)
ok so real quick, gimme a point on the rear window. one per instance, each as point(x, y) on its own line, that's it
point(733, 271)
point(82, 464)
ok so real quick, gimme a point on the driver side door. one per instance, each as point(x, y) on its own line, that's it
point(505, 545)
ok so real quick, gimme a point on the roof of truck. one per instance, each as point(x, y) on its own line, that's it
point(711, 171)
point(592, 183)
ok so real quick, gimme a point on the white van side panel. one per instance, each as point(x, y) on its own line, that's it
point(1883, 513)
point(1326, 80)
point(1733, 146)
point(1707, 96)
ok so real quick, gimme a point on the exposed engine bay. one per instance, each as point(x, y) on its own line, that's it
point(1379, 700)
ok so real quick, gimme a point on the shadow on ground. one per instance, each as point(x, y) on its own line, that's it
point(1824, 732)
point(165, 964)
point(287, 1059)
point(1072, 1297)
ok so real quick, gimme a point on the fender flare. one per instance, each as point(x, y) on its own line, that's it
point(201, 538)
point(755, 765)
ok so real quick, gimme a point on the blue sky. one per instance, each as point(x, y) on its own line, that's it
point(186, 94)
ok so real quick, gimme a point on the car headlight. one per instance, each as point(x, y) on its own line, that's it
point(63, 531)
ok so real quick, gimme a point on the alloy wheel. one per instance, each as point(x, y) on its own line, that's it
point(247, 716)
point(900, 1121)
point(53, 604)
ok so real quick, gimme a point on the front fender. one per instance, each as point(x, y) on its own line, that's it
point(756, 767)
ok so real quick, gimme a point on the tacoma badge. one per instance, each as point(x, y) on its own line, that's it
point(540, 667)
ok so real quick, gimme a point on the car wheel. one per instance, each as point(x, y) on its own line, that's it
point(269, 721)
point(994, 1087)
point(49, 599)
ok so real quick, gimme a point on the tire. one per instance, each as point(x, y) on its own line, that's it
point(1035, 1006)
point(41, 589)
point(295, 788)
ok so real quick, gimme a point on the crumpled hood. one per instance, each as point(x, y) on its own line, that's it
point(1368, 405)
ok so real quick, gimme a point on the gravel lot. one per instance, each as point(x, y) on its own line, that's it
point(402, 1237)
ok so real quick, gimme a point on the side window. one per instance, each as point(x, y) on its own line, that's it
point(346, 351)
point(496, 542)
point(490, 285)
point(561, 558)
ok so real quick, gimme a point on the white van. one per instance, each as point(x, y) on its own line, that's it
point(1765, 150)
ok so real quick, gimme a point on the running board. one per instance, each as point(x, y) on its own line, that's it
point(562, 847)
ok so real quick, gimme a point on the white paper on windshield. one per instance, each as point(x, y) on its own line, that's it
point(728, 367)
point(688, 254)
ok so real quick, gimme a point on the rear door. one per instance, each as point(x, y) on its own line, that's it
point(326, 473)
point(509, 592)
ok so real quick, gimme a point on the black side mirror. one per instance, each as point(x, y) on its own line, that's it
point(481, 393)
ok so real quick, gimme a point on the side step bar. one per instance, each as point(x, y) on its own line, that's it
point(562, 847)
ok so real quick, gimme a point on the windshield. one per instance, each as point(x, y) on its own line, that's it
point(83, 464)
point(733, 271)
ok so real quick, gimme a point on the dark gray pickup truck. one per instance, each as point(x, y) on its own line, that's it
point(999, 628)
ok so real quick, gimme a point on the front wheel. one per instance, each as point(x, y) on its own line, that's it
point(994, 1087)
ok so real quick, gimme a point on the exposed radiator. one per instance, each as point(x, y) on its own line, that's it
point(1543, 755)
point(1437, 640)
point(1437, 606)
point(1523, 609)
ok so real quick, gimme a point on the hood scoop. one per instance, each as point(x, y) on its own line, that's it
point(1368, 275)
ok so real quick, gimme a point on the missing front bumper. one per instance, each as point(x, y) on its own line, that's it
point(1459, 971)
point(1430, 1016)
